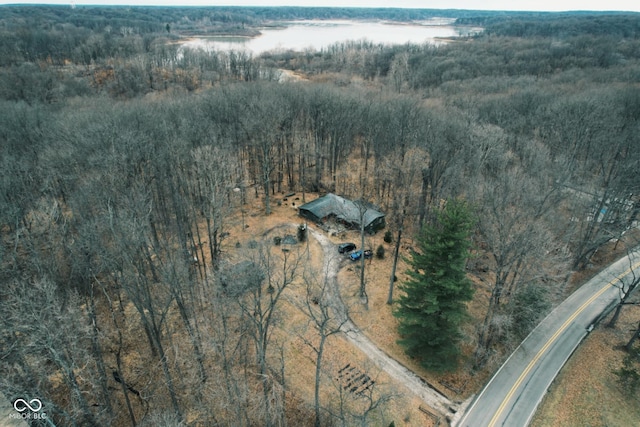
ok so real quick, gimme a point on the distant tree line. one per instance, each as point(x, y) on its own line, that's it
point(115, 206)
point(611, 24)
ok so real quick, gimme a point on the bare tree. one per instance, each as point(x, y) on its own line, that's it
point(445, 140)
point(210, 172)
point(52, 333)
point(173, 273)
point(363, 207)
point(259, 286)
point(512, 221)
point(406, 170)
point(317, 307)
point(634, 337)
point(360, 397)
point(229, 339)
point(626, 288)
point(152, 303)
point(372, 400)
point(117, 317)
point(594, 134)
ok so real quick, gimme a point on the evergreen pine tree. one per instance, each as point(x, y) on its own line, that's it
point(432, 304)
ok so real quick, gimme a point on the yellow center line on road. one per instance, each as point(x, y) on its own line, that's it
point(551, 340)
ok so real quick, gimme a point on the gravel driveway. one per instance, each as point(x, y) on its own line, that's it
point(331, 266)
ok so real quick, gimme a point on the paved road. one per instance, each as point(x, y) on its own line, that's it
point(514, 393)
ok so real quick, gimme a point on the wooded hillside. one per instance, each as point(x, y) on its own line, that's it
point(124, 159)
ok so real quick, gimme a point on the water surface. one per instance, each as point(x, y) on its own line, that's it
point(319, 34)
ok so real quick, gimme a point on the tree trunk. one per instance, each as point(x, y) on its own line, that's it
point(123, 385)
point(97, 352)
point(319, 354)
point(169, 379)
point(265, 187)
point(392, 279)
point(363, 289)
point(424, 191)
point(635, 336)
point(616, 315)
point(195, 339)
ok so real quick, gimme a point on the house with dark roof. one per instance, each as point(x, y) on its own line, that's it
point(344, 211)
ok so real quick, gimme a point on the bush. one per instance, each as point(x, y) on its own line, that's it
point(527, 307)
point(380, 252)
point(302, 232)
point(388, 238)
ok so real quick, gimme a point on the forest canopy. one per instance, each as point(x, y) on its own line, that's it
point(127, 159)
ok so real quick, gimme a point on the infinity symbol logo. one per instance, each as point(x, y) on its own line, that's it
point(21, 405)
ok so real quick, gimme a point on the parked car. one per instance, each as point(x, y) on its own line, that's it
point(358, 254)
point(346, 247)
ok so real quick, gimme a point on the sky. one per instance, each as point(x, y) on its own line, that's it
point(529, 5)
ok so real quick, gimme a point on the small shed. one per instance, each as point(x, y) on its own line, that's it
point(344, 210)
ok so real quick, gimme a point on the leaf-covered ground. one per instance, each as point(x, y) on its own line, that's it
point(586, 392)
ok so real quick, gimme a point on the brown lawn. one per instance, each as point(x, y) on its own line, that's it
point(403, 409)
point(584, 394)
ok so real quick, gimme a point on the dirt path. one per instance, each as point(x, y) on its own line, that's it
point(331, 266)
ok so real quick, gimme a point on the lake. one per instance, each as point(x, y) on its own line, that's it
point(319, 34)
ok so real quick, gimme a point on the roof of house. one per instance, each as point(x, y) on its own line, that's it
point(342, 208)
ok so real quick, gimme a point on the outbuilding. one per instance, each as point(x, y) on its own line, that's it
point(343, 210)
